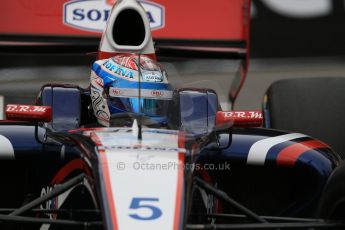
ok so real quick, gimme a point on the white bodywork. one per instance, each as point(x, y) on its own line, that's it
point(145, 178)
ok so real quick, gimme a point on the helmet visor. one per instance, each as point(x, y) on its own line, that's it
point(149, 107)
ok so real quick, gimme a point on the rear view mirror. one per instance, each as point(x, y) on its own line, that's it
point(226, 120)
point(239, 119)
point(29, 113)
point(194, 110)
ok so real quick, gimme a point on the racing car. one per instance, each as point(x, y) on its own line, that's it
point(70, 162)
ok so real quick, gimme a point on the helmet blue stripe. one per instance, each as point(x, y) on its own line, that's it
point(115, 81)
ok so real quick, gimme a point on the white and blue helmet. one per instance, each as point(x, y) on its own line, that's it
point(115, 88)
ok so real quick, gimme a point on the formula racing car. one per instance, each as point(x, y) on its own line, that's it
point(132, 151)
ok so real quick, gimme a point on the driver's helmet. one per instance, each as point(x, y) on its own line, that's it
point(115, 86)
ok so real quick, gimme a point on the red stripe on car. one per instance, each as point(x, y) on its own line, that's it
point(289, 155)
point(106, 177)
point(180, 181)
point(108, 188)
point(96, 139)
